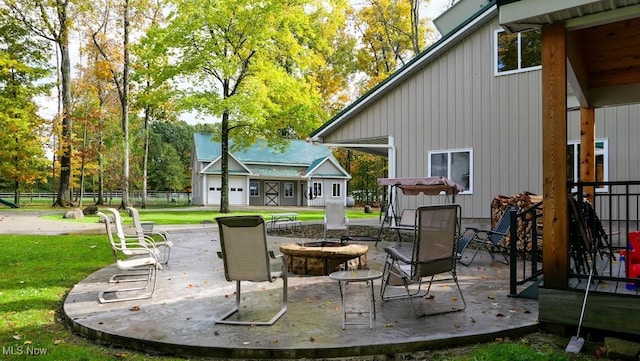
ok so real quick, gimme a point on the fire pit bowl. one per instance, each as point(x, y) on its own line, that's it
point(323, 257)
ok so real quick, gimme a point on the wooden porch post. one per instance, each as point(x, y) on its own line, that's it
point(554, 156)
point(587, 149)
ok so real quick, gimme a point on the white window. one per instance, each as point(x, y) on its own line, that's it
point(317, 189)
point(457, 165)
point(336, 190)
point(288, 190)
point(254, 189)
point(602, 162)
point(517, 52)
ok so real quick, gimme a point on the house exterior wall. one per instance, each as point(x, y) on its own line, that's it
point(620, 127)
point(456, 102)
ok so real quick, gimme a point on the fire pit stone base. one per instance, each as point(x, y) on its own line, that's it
point(322, 258)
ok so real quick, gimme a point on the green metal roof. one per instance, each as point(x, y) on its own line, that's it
point(297, 152)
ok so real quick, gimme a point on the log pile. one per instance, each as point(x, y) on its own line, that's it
point(522, 201)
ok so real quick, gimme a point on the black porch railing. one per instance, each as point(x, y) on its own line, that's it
point(603, 242)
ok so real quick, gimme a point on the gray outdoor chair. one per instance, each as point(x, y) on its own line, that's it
point(138, 264)
point(243, 243)
point(432, 255)
point(487, 239)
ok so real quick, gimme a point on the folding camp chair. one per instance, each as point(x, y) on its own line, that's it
point(335, 217)
point(490, 240)
point(433, 253)
point(140, 265)
point(243, 243)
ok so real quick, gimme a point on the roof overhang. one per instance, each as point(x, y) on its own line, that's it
point(603, 38)
point(321, 134)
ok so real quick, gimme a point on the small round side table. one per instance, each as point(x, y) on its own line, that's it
point(344, 277)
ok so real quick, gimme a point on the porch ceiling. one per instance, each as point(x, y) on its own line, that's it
point(604, 63)
point(603, 38)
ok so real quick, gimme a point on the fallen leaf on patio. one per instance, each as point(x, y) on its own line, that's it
point(430, 296)
point(454, 299)
point(456, 326)
point(336, 308)
point(312, 339)
point(273, 340)
point(216, 333)
point(491, 297)
point(189, 285)
point(388, 325)
point(473, 320)
point(226, 296)
point(135, 308)
point(483, 277)
point(499, 315)
point(513, 311)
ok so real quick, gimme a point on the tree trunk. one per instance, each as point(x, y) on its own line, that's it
point(124, 100)
point(224, 189)
point(145, 157)
point(66, 137)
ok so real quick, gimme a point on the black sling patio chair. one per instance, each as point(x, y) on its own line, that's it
point(487, 239)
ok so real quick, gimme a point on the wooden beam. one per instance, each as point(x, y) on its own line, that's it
point(554, 155)
point(588, 149)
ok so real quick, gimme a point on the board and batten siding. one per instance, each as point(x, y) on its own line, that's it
point(456, 102)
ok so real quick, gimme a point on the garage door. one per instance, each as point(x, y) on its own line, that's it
point(237, 191)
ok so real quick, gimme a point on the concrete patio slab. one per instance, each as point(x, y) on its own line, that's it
point(191, 293)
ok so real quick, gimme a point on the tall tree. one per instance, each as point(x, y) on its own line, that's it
point(51, 20)
point(391, 34)
point(249, 64)
point(23, 67)
point(115, 19)
point(155, 96)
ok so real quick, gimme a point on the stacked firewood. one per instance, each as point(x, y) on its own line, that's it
point(522, 201)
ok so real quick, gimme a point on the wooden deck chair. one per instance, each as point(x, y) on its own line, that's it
point(243, 243)
point(487, 239)
point(432, 255)
point(335, 217)
point(160, 238)
point(140, 266)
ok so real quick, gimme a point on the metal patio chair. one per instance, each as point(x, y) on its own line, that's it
point(243, 243)
point(432, 255)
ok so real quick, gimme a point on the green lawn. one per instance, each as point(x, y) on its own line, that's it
point(198, 216)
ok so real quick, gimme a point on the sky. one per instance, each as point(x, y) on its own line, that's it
point(48, 104)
